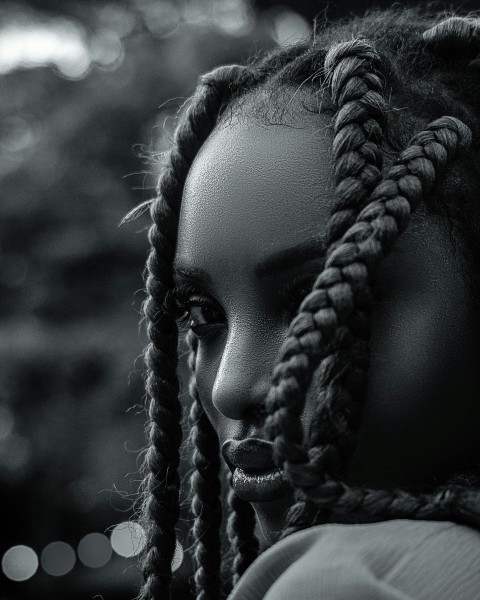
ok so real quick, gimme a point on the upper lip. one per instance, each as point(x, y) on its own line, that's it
point(251, 454)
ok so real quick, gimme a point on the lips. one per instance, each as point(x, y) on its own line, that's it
point(252, 454)
point(255, 476)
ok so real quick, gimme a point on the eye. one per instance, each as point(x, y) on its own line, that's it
point(194, 310)
point(202, 319)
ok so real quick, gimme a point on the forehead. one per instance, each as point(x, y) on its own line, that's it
point(255, 189)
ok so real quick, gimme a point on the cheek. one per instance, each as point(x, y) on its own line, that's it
point(413, 348)
point(411, 354)
point(420, 403)
point(420, 417)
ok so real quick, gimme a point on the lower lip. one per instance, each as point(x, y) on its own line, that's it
point(259, 487)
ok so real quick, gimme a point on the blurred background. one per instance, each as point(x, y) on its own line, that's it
point(89, 93)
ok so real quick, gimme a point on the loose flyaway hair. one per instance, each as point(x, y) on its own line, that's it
point(402, 84)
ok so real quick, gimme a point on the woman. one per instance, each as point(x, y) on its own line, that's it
point(275, 242)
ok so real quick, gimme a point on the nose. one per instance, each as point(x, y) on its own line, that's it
point(243, 376)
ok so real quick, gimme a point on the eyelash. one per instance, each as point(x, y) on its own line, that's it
point(180, 301)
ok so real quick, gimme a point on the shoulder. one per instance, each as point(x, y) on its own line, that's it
point(397, 560)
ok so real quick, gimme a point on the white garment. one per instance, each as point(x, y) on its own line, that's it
point(391, 560)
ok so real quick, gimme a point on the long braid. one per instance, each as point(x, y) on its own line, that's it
point(206, 487)
point(352, 70)
point(161, 483)
point(205, 483)
point(455, 503)
point(321, 323)
point(241, 534)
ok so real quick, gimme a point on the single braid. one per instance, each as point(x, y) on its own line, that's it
point(449, 503)
point(352, 70)
point(241, 534)
point(161, 483)
point(320, 327)
point(205, 483)
point(206, 488)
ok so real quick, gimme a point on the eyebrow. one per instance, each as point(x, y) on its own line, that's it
point(192, 273)
point(282, 260)
point(290, 257)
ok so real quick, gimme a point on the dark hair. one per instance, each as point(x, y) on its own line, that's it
point(424, 66)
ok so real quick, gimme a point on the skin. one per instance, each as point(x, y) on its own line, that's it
point(257, 189)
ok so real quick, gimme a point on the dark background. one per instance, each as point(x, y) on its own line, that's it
point(89, 93)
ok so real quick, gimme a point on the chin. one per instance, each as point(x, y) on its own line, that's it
point(271, 516)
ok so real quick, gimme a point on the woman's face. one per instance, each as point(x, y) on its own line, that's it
point(250, 244)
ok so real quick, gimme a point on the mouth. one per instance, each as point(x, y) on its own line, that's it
point(255, 476)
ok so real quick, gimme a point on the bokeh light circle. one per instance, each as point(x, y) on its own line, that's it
point(57, 559)
point(177, 557)
point(94, 550)
point(127, 539)
point(19, 563)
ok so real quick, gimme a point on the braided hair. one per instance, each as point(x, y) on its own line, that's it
point(161, 483)
point(405, 56)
